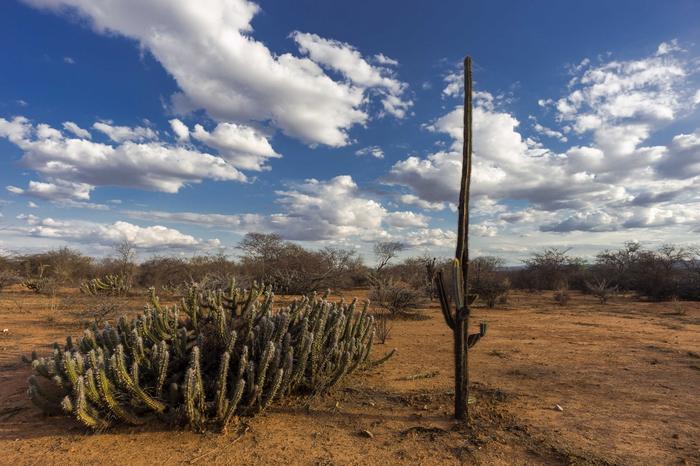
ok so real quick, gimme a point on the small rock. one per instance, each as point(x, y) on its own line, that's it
point(366, 433)
point(558, 408)
point(6, 330)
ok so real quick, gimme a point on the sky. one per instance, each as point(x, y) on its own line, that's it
point(181, 126)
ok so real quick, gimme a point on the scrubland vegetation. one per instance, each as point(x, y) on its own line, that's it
point(400, 286)
point(224, 356)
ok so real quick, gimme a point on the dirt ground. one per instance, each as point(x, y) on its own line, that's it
point(626, 375)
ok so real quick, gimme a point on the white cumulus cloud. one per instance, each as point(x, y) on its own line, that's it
point(209, 49)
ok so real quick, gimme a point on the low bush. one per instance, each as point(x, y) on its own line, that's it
point(7, 278)
point(561, 296)
point(383, 328)
point(601, 289)
point(397, 298)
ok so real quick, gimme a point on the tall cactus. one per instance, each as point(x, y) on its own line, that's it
point(458, 319)
point(227, 354)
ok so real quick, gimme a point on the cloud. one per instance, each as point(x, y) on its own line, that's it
point(125, 133)
point(76, 130)
point(550, 133)
point(506, 165)
point(610, 179)
point(59, 190)
point(583, 221)
point(241, 146)
point(484, 230)
point(345, 59)
point(644, 91)
point(412, 199)
point(239, 223)
point(107, 234)
point(69, 60)
point(406, 219)
point(209, 49)
point(667, 47)
point(682, 160)
point(454, 84)
point(384, 60)
point(182, 132)
point(315, 210)
point(321, 210)
point(431, 237)
point(374, 151)
point(73, 167)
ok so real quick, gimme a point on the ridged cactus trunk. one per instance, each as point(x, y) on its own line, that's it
point(457, 318)
point(215, 357)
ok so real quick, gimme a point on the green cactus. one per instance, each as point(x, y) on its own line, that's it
point(109, 285)
point(457, 313)
point(229, 354)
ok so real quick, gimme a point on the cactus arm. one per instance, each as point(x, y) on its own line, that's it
point(82, 411)
point(189, 395)
point(132, 385)
point(107, 398)
point(444, 303)
point(233, 404)
point(272, 391)
point(221, 385)
point(162, 366)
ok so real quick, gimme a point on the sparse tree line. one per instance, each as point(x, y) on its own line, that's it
point(667, 272)
point(399, 286)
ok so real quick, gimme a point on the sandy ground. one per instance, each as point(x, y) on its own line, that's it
point(626, 374)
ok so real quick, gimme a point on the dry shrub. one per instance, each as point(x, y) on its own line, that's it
point(487, 279)
point(491, 290)
point(383, 328)
point(397, 298)
point(98, 315)
point(292, 269)
point(175, 274)
point(7, 278)
point(600, 289)
point(561, 296)
point(548, 269)
point(63, 266)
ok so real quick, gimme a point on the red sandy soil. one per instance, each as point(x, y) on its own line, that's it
point(626, 374)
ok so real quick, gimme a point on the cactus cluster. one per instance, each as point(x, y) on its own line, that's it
point(110, 285)
point(214, 357)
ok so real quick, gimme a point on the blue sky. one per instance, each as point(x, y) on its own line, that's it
point(182, 127)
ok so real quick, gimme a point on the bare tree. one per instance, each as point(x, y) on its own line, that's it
point(487, 280)
point(125, 256)
point(553, 268)
point(387, 250)
point(261, 248)
point(601, 289)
